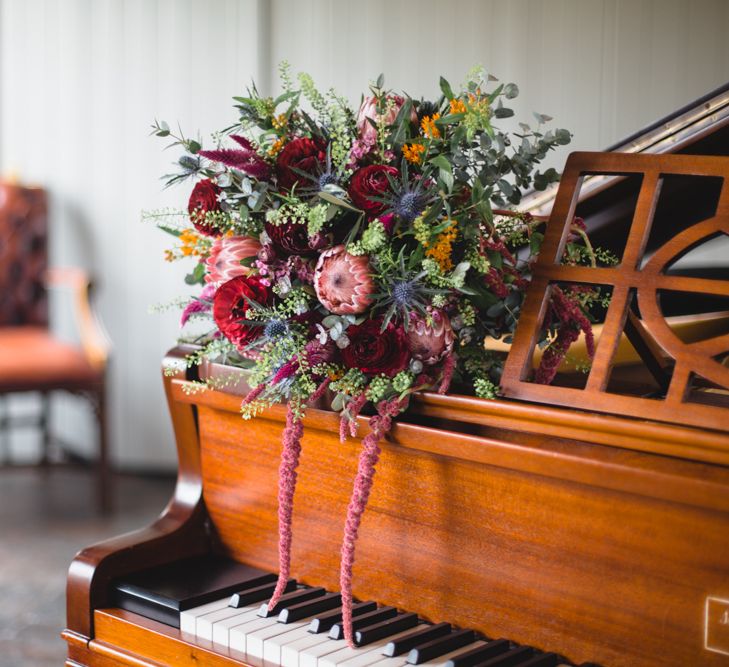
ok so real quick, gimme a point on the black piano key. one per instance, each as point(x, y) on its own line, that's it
point(441, 646)
point(250, 596)
point(391, 626)
point(516, 656)
point(381, 614)
point(162, 592)
point(479, 654)
point(324, 622)
point(290, 599)
point(416, 638)
point(543, 660)
point(305, 609)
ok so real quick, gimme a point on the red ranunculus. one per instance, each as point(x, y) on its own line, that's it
point(368, 182)
point(204, 198)
point(291, 237)
point(231, 306)
point(303, 154)
point(374, 351)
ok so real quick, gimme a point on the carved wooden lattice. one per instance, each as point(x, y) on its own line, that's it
point(638, 276)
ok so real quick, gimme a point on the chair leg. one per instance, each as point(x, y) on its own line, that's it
point(4, 432)
point(44, 423)
point(104, 491)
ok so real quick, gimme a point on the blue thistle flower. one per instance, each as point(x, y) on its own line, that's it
point(408, 206)
point(327, 178)
point(275, 329)
point(403, 293)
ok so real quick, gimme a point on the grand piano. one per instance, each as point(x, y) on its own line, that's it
point(581, 523)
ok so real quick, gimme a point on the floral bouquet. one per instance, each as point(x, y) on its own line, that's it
point(364, 256)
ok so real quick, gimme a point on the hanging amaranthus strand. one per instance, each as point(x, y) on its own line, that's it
point(449, 366)
point(380, 425)
point(290, 453)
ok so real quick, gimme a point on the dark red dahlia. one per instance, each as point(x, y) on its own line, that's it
point(290, 237)
point(204, 198)
point(302, 154)
point(368, 182)
point(374, 351)
point(231, 306)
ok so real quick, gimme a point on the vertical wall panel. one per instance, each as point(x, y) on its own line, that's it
point(80, 83)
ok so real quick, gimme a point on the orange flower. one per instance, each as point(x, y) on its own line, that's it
point(413, 153)
point(276, 147)
point(457, 106)
point(427, 125)
point(441, 250)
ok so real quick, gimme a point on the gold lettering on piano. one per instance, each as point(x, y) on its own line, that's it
point(716, 625)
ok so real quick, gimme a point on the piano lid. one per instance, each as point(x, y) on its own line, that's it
point(699, 128)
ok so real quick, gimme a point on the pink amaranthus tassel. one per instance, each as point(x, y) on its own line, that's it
point(286, 486)
point(380, 425)
point(449, 366)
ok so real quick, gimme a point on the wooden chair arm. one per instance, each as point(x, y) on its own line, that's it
point(95, 342)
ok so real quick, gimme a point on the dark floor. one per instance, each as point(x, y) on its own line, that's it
point(44, 520)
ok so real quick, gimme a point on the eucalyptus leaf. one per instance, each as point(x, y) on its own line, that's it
point(511, 90)
point(446, 89)
point(338, 402)
point(327, 196)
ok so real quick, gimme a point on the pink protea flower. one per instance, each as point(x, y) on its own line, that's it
point(343, 282)
point(430, 341)
point(224, 262)
point(368, 112)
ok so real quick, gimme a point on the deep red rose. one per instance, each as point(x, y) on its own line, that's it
point(204, 198)
point(367, 182)
point(291, 237)
point(374, 351)
point(304, 154)
point(230, 307)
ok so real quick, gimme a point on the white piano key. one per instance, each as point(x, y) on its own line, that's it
point(309, 657)
point(290, 652)
point(205, 623)
point(221, 629)
point(399, 661)
point(256, 641)
point(239, 633)
point(272, 646)
point(443, 659)
point(188, 618)
point(360, 656)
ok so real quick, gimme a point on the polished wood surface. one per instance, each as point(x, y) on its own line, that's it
point(639, 274)
point(180, 530)
point(600, 553)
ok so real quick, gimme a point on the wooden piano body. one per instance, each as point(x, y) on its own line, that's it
point(601, 537)
point(592, 536)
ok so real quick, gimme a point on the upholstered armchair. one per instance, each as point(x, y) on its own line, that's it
point(32, 359)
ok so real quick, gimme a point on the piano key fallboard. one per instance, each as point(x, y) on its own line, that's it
point(304, 629)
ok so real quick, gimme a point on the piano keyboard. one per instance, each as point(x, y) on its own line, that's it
point(305, 630)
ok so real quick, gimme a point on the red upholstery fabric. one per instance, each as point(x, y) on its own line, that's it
point(31, 359)
point(23, 256)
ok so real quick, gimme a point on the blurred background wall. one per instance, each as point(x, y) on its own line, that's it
point(81, 81)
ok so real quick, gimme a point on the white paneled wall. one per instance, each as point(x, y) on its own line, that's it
point(601, 68)
point(80, 83)
point(81, 80)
